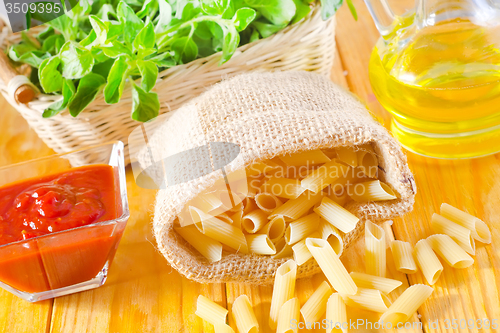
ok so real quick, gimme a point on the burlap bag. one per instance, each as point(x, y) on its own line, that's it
point(268, 114)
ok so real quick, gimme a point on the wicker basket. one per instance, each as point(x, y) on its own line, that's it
point(308, 45)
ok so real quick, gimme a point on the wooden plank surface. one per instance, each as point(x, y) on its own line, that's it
point(143, 294)
point(473, 185)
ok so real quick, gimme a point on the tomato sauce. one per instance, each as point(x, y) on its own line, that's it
point(53, 203)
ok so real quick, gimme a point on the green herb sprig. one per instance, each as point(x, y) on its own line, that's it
point(103, 44)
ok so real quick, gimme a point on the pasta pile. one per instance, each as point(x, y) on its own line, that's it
point(454, 241)
point(272, 206)
point(366, 291)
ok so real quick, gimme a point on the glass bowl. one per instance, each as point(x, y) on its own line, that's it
point(72, 260)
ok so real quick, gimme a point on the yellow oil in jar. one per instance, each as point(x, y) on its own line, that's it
point(443, 89)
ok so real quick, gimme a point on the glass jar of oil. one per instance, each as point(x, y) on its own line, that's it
point(437, 71)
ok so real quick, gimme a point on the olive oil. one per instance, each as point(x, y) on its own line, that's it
point(442, 87)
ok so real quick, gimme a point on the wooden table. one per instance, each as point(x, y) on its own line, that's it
point(143, 294)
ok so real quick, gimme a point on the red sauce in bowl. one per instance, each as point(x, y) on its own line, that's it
point(50, 204)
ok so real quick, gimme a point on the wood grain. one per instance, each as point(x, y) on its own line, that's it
point(473, 185)
point(143, 294)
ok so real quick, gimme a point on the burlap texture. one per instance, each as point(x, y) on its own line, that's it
point(268, 114)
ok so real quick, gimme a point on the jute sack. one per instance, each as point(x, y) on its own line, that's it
point(268, 114)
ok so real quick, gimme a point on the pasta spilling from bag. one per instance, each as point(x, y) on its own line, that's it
point(302, 156)
point(285, 199)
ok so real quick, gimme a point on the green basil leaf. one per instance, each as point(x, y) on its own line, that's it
point(203, 30)
point(49, 31)
point(185, 50)
point(88, 88)
point(149, 73)
point(115, 29)
point(51, 43)
point(116, 81)
point(278, 12)
point(106, 11)
point(214, 7)
point(166, 59)
point(91, 37)
point(132, 24)
point(254, 36)
point(145, 40)
point(100, 29)
point(145, 105)
point(149, 8)
point(301, 12)
point(50, 78)
point(231, 41)
point(17, 50)
point(115, 49)
point(29, 41)
point(187, 9)
point(34, 58)
point(102, 68)
point(266, 29)
point(243, 17)
point(165, 16)
point(329, 8)
point(76, 60)
point(68, 91)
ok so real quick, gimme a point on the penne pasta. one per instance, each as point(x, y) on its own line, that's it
point(267, 202)
point(330, 152)
point(220, 231)
point(315, 307)
point(310, 157)
point(450, 251)
point(301, 253)
point(403, 257)
point(208, 247)
point(283, 289)
point(375, 250)
point(323, 176)
point(368, 161)
point(299, 229)
point(254, 221)
point(236, 218)
point(244, 316)
point(274, 229)
point(249, 205)
point(331, 266)
point(256, 169)
point(296, 208)
point(461, 235)
point(427, 261)
point(210, 311)
point(230, 201)
point(368, 299)
point(348, 156)
point(368, 281)
point(260, 244)
point(288, 313)
point(283, 250)
point(406, 304)
point(224, 217)
point(283, 187)
point(335, 214)
point(340, 199)
point(336, 314)
point(209, 202)
point(479, 229)
point(372, 190)
point(332, 236)
point(223, 328)
point(254, 185)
